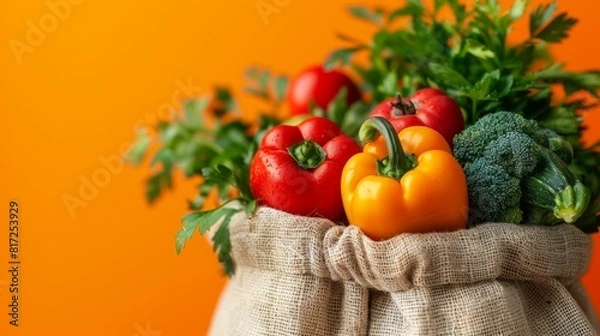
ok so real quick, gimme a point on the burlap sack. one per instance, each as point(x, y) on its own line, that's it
point(308, 276)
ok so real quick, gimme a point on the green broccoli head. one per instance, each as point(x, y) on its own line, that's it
point(496, 153)
point(472, 142)
point(515, 170)
point(516, 152)
point(494, 194)
point(494, 178)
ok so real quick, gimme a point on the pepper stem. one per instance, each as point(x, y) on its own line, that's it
point(307, 154)
point(397, 162)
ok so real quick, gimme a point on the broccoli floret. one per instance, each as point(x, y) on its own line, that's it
point(516, 152)
point(471, 143)
point(504, 155)
point(494, 194)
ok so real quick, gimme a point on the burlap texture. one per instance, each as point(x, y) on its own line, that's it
point(307, 276)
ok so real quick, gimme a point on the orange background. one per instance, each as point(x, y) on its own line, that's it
point(101, 69)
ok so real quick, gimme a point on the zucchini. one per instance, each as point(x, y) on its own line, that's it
point(552, 194)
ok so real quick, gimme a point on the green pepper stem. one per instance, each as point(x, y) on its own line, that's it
point(398, 163)
point(307, 154)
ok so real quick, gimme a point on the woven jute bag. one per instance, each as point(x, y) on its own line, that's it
point(308, 276)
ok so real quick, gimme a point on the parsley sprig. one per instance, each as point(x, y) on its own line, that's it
point(209, 139)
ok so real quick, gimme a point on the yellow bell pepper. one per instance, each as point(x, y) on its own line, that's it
point(386, 191)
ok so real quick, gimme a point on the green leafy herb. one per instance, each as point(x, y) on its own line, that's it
point(348, 118)
point(219, 153)
point(355, 115)
point(137, 151)
point(557, 29)
point(341, 56)
point(224, 102)
point(193, 109)
point(156, 184)
point(266, 86)
point(337, 108)
point(204, 222)
point(365, 13)
point(389, 84)
point(540, 16)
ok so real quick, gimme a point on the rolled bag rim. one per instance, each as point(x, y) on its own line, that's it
point(277, 241)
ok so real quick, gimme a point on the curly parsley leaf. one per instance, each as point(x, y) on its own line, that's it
point(217, 151)
point(270, 88)
point(156, 184)
point(193, 109)
point(389, 84)
point(337, 107)
point(280, 85)
point(450, 77)
point(557, 29)
point(205, 221)
point(364, 13)
point(136, 153)
point(225, 101)
point(191, 222)
point(518, 9)
point(340, 56)
point(540, 16)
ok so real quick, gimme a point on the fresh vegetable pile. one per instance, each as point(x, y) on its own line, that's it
point(449, 126)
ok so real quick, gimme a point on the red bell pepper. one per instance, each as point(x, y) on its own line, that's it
point(297, 169)
point(427, 107)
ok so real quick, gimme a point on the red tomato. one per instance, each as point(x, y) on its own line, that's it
point(427, 107)
point(317, 85)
